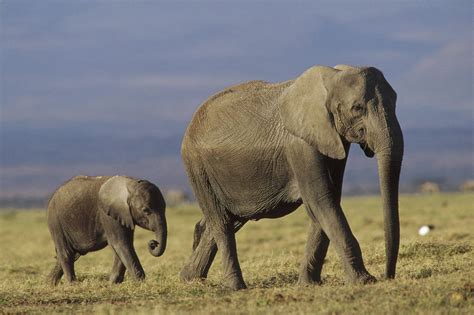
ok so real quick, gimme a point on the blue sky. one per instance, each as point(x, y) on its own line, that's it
point(137, 68)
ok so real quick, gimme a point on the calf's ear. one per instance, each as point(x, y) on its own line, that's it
point(114, 200)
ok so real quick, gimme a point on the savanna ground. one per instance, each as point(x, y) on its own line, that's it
point(434, 274)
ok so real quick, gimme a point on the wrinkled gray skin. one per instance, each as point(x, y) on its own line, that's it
point(259, 150)
point(87, 213)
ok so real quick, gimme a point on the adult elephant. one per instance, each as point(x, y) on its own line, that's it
point(259, 150)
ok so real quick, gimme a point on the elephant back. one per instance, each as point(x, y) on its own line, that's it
point(73, 207)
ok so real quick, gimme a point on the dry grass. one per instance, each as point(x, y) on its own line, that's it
point(435, 272)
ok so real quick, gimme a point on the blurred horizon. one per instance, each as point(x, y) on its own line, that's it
point(108, 87)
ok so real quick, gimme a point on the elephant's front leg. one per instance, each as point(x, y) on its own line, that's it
point(318, 242)
point(121, 240)
point(127, 254)
point(319, 195)
point(316, 249)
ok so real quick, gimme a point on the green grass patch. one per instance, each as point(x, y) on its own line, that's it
point(434, 274)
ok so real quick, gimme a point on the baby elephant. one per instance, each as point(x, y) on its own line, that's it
point(87, 213)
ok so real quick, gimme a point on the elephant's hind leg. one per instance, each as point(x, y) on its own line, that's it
point(217, 233)
point(224, 235)
point(66, 257)
point(118, 270)
point(199, 229)
point(67, 264)
point(204, 252)
point(55, 274)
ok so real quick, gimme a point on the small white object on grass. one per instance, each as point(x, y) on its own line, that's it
point(425, 229)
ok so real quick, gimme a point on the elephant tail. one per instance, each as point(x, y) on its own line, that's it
point(199, 228)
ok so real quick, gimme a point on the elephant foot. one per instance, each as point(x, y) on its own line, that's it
point(138, 276)
point(235, 284)
point(72, 281)
point(188, 274)
point(362, 278)
point(116, 279)
point(53, 281)
point(308, 281)
point(309, 277)
point(55, 276)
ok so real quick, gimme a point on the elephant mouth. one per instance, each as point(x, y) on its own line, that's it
point(368, 151)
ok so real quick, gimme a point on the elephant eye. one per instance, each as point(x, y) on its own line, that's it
point(358, 109)
point(147, 211)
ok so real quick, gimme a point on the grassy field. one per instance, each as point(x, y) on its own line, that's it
point(435, 272)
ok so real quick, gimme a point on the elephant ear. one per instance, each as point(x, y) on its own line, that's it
point(113, 198)
point(303, 110)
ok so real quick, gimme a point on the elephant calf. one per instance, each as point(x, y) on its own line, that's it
point(87, 213)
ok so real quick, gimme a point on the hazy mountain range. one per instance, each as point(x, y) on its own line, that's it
point(35, 162)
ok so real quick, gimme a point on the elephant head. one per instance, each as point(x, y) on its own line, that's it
point(331, 107)
point(131, 202)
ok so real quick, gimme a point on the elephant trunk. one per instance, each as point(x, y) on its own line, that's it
point(389, 159)
point(157, 248)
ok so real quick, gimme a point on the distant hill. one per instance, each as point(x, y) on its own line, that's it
point(35, 161)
